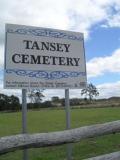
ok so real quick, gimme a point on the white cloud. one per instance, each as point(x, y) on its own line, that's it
point(114, 21)
point(86, 14)
point(101, 65)
point(92, 12)
point(107, 90)
point(63, 14)
point(113, 18)
point(41, 13)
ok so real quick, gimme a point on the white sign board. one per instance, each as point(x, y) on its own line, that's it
point(43, 58)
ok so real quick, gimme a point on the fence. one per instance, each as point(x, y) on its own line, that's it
point(23, 141)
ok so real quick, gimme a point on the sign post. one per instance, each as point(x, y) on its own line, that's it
point(67, 109)
point(24, 120)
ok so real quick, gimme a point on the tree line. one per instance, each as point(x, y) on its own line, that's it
point(12, 103)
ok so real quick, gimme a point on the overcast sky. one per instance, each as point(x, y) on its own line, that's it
point(99, 20)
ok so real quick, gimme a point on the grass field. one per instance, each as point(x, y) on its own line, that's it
point(54, 120)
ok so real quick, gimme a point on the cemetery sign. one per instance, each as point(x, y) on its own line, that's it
point(43, 58)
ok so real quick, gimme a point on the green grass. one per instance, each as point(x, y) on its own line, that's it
point(54, 120)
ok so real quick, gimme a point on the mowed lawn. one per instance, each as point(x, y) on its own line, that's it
point(47, 120)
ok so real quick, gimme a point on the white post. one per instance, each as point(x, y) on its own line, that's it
point(24, 120)
point(67, 109)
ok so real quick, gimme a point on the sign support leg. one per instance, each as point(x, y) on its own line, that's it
point(67, 109)
point(24, 120)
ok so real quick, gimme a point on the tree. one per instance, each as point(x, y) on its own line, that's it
point(14, 103)
point(9, 103)
point(36, 95)
point(75, 101)
point(90, 91)
point(55, 99)
point(4, 100)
